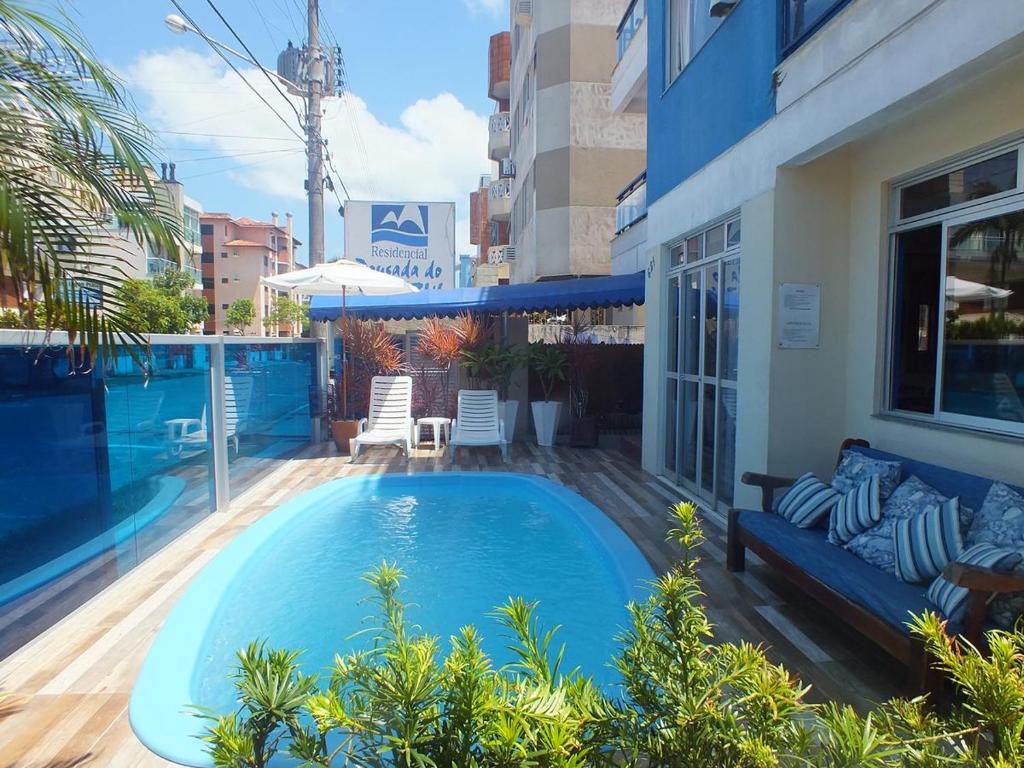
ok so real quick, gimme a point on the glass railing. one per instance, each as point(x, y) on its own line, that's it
point(155, 265)
point(632, 205)
point(101, 466)
point(630, 24)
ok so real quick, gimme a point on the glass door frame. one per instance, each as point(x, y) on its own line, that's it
point(679, 273)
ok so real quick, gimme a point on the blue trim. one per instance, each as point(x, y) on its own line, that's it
point(548, 296)
point(159, 708)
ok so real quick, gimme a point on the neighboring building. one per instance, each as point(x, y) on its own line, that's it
point(571, 155)
point(865, 168)
point(236, 253)
point(464, 276)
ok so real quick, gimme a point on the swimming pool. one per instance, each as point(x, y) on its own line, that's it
point(466, 541)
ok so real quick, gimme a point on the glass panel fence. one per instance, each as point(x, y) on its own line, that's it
point(630, 25)
point(270, 390)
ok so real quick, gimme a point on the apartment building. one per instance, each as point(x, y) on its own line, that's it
point(236, 253)
point(491, 238)
point(571, 153)
point(833, 239)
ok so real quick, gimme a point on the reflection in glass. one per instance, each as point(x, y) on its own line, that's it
point(977, 181)
point(707, 467)
point(691, 322)
point(671, 400)
point(688, 416)
point(711, 299)
point(726, 443)
point(729, 320)
point(733, 237)
point(715, 242)
point(673, 325)
point(917, 276)
point(983, 363)
point(693, 248)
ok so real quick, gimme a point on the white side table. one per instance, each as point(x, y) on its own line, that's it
point(436, 423)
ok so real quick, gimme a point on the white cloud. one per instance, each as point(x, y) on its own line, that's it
point(436, 152)
point(493, 7)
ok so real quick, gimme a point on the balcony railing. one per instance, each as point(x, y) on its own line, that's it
point(632, 206)
point(630, 24)
point(499, 136)
point(499, 122)
point(499, 199)
point(155, 266)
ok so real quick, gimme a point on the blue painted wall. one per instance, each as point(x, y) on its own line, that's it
point(723, 94)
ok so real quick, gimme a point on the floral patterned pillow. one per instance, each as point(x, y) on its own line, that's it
point(1000, 522)
point(911, 498)
point(855, 467)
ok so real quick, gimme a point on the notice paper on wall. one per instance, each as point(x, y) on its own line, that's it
point(799, 315)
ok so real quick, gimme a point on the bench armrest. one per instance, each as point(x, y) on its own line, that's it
point(982, 583)
point(768, 484)
point(979, 579)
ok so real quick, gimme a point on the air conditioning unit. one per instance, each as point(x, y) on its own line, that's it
point(524, 12)
point(510, 253)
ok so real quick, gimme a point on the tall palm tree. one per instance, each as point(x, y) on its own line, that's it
point(73, 159)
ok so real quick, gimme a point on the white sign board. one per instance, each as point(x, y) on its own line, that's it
point(414, 241)
point(799, 315)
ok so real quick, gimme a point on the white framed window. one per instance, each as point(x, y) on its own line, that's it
point(688, 26)
point(956, 293)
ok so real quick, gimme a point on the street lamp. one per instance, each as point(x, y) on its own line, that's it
point(179, 26)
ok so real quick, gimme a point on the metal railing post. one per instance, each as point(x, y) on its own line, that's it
point(218, 429)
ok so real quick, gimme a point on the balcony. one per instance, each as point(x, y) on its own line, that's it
point(499, 66)
point(499, 136)
point(499, 200)
point(629, 78)
point(501, 254)
point(629, 243)
point(155, 266)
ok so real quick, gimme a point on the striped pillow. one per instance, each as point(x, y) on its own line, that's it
point(807, 501)
point(927, 542)
point(857, 511)
point(951, 599)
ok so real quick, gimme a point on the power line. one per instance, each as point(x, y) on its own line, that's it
point(252, 56)
point(236, 167)
point(229, 136)
point(213, 45)
point(237, 154)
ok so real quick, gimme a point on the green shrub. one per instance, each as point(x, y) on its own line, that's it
point(686, 702)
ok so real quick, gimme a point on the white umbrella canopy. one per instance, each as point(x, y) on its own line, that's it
point(339, 277)
point(959, 289)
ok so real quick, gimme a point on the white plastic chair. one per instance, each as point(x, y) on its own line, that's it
point(477, 422)
point(192, 433)
point(390, 421)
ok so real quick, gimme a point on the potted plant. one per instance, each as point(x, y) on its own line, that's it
point(496, 364)
point(579, 350)
point(549, 362)
point(440, 344)
point(371, 351)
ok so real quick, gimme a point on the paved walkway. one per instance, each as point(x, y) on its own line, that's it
point(69, 687)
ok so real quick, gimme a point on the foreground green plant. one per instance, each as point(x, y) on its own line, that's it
point(686, 701)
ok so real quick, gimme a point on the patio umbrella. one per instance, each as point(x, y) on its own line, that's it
point(342, 276)
point(959, 289)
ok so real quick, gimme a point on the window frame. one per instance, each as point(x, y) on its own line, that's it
point(786, 46)
point(689, 54)
point(950, 216)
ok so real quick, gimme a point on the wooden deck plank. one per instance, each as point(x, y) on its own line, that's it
point(70, 684)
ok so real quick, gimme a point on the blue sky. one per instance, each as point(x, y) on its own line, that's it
point(418, 74)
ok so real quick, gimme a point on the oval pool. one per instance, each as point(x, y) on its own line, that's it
point(466, 541)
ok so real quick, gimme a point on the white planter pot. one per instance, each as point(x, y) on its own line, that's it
point(545, 420)
point(509, 411)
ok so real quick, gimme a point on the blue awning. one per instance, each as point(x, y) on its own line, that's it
point(550, 296)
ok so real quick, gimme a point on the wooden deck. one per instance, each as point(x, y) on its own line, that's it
point(69, 687)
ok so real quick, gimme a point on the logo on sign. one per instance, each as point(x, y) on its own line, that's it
point(401, 224)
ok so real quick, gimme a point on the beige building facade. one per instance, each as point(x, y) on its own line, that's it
point(571, 154)
point(236, 254)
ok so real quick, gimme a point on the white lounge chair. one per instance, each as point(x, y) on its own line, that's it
point(191, 434)
point(390, 421)
point(477, 422)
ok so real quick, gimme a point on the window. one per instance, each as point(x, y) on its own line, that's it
point(206, 229)
point(688, 26)
point(223, 254)
point(223, 279)
point(803, 17)
point(207, 257)
point(223, 306)
point(957, 308)
point(210, 308)
point(207, 282)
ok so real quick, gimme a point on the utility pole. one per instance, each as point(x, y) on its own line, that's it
point(314, 142)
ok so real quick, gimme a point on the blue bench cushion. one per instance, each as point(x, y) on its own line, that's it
point(878, 592)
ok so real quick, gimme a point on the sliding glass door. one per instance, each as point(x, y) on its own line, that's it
point(702, 369)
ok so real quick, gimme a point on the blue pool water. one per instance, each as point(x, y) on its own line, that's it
point(466, 541)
